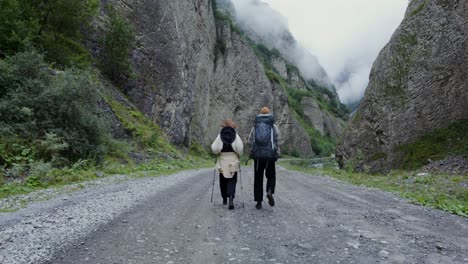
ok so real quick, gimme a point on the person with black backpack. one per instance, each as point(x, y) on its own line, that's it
point(263, 139)
point(228, 145)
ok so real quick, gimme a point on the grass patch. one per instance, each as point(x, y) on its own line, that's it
point(437, 145)
point(62, 177)
point(445, 192)
point(272, 76)
point(144, 131)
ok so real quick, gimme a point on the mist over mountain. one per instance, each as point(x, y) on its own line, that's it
point(265, 25)
point(351, 82)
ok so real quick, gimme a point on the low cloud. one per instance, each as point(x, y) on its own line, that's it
point(268, 26)
point(344, 36)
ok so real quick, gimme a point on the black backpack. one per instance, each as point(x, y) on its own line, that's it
point(264, 145)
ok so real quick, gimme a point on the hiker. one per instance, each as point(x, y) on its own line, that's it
point(229, 146)
point(263, 140)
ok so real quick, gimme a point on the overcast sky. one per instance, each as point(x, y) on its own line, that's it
point(345, 35)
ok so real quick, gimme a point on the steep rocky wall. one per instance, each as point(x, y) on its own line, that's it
point(322, 121)
point(417, 84)
point(174, 47)
point(239, 88)
point(185, 84)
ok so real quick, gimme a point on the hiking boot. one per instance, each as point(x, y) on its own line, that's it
point(271, 201)
point(231, 203)
point(259, 205)
point(224, 200)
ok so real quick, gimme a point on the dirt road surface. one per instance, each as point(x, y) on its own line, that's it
point(315, 220)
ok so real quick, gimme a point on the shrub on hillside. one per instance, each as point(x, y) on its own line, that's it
point(119, 39)
point(16, 28)
point(51, 26)
point(47, 115)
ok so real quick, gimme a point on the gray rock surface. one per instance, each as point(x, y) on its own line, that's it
point(417, 84)
point(313, 113)
point(450, 165)
point(296, 81)
point(280, 66)
point(188, 86)
point(323, 121)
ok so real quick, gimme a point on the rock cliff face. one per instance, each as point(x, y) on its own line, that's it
point(187, 83)
point(417, 84)
point(238, 89)
point(324, 122)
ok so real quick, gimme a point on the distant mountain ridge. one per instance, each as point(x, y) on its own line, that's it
point(265, 25)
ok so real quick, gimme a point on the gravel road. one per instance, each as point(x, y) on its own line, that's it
point(171, 220)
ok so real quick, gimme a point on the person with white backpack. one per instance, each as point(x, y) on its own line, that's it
point(263, 140)
point(228, 145)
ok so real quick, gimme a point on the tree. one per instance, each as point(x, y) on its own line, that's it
point(118, 41)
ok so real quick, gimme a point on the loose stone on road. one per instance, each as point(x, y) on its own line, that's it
point(315, 220)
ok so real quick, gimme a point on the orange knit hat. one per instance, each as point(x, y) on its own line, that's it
point(265, 110)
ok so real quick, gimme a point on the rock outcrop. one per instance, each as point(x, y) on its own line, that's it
point(193, 71)
point(418, 84)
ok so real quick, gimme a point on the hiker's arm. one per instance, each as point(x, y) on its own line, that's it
point(238, 146)
point(277, 140)
point(217, 145)
point(251, 137)
point(278, 135)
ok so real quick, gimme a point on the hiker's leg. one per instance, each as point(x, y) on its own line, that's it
point(271, 176)
point(259, 167)
point(223, 185)
point(231, 186)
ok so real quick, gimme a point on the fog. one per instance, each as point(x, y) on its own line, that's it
point(272, 29)
point(343, 36)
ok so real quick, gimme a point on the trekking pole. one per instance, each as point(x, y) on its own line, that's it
point(242, 188)
point(212, 188)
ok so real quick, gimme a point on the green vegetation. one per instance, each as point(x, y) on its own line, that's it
point(147, 134)
point(402, 63)
point(419, 8)
point(377, 156)
point(222, 19)
point(17, 29)
point(50, 123)
point(219, 48)
point(266, 55)
point(52, 129)
point(436, 145)
point(119, 39)
point(50, 26)
point(322, 145)
point(445, 192)
point(47, 115)
point(273, 77)
point(83, 171)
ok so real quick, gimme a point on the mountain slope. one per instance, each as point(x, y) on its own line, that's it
point(418, 84)
point(194, 68)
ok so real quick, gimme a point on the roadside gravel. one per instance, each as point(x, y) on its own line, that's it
point(34, 233)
